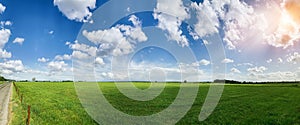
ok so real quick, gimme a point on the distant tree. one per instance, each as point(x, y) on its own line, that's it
point(33, 79)
point(2, 78)
point(184, 81)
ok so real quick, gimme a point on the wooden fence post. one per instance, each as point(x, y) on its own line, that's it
point(21, 98)
point(28, 115)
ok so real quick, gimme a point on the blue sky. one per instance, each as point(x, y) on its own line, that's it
point(61, 39)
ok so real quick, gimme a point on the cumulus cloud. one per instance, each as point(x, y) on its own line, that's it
point(12, 66)
point(80, 55)
point(51, 32)
point(235, 70)
point(43, 60)
point(269, 60)
point(108, 75)
point(57, 66)
point(2, 8)
point(293, 58)
point(170, 16)
point(83, 48)
point(4, 54)
point(279, 60)
point(274, 76)
point(63, 57)
point(4, 37)
point(227, 60)
point(153, 71)
point(100, 61)
point(118, 40)
point(237, 16)
point(202, 62)
point(256, 69)
point(6, 23)
point(19, 40)
point(208, 22)
point(78, 10)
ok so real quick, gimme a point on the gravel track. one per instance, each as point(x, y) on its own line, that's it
point(5, 93)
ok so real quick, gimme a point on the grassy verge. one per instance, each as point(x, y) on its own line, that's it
point(57, 103)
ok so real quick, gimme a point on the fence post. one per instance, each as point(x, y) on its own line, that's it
point(21, 98)
point(28, 115)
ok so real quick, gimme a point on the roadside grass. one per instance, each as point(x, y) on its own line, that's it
point(57, 103)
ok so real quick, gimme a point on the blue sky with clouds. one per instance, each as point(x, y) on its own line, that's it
point(62, 39)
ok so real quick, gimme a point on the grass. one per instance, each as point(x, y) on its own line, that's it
point(57, 103)
point(51, 104)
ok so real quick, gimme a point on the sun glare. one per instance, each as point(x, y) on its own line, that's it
point(286, 24)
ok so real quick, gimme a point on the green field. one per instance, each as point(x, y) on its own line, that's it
point(57, 103)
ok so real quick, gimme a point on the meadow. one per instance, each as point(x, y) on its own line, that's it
point(57, 103)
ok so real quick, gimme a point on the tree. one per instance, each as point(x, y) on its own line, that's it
point(33, 79)
point(2, 78)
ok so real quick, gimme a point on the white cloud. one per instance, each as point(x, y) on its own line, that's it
point(80, 55)
point(260, 69)
point(63, 57)
point(4, 37)
point(274, 76)
point(203, 62)
point(78, 10)
point(99, 60)
point(107, 75)
point(280, 60)
point(205, 42)
point(2, 8)
point(244, 64)
point(227, 60)
point(12, 66)
point(153, 71)
point(83, 48)
point(119, 40)
point(6, 23)
point(293, 58)
point(57, 66)
point(128, 9)
point(43, 60)
point(170, 16)
point(51, 32)
point(235, 70)
point(269, 60)
point(237, 17)
point(4, 54)
point(19, 40)
point(135, 33)
point(208, 22)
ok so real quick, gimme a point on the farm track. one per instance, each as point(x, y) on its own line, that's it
point(5, 93)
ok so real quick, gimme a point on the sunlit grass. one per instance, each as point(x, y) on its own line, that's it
point(57, 103)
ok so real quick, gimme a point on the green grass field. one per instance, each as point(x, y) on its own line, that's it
point(57, 103)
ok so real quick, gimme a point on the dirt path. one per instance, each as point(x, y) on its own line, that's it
point(5, 93)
